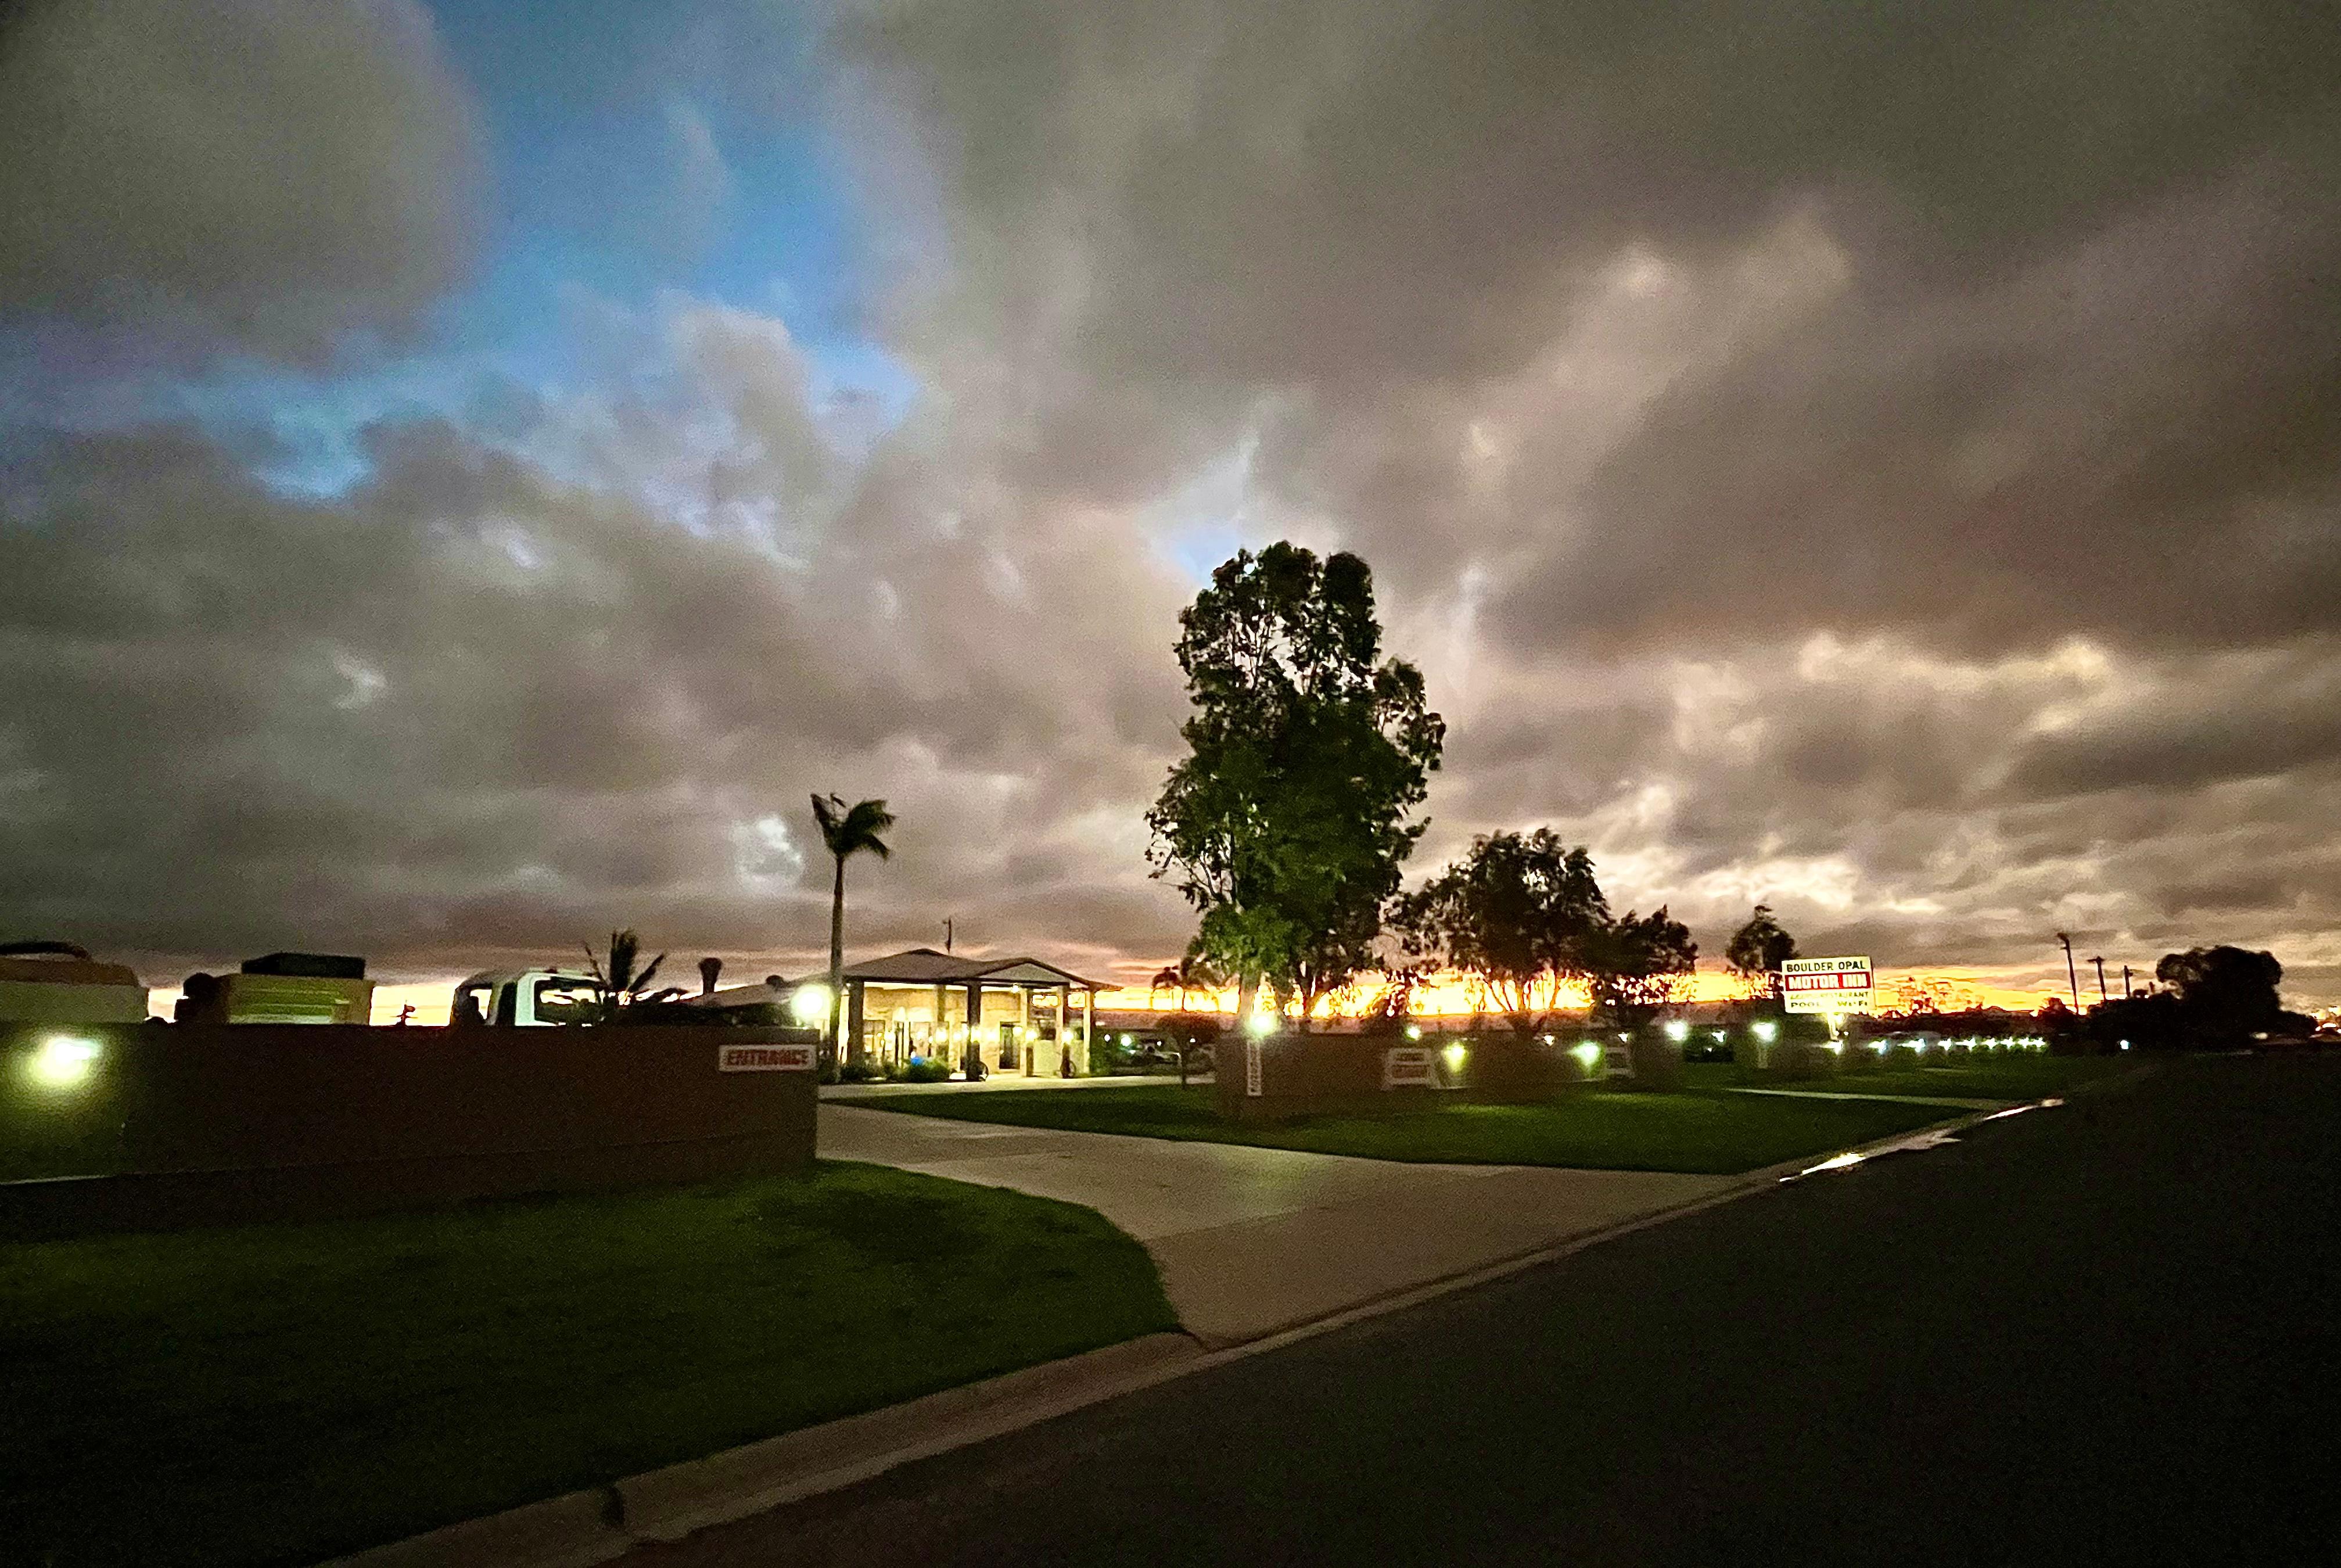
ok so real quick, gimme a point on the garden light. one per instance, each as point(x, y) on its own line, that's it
point(809, 1004)
point(1414, 1031)
point(1454, 1054)
point(1765, 1030)
point(1589, 1053)
point(1678, 1030)
point(1261, 1023)
point(62, 1062)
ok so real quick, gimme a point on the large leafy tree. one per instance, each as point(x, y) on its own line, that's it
point(1636, 964)
point(2225, 994)
point(1289, 819)
point(1757, 950)
point(1515, 913)
point(846, 830)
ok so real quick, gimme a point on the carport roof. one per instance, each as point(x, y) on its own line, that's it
point(925, 967)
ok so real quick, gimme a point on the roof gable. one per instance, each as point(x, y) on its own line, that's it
point(925, 967)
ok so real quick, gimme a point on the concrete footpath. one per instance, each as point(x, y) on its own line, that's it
point(1252, 1241)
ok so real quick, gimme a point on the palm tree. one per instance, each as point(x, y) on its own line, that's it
point(622, 985)
point(847, 831)
point(1197, 974)
point(1165, 979)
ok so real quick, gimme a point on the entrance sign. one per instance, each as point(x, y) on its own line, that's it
point(1825, 985)
point(1409, 1067)
point(1252, 1067)
point(764, 1058)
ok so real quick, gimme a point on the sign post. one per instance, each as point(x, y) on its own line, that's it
point(1835, 986)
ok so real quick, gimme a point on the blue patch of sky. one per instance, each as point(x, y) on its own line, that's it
point(595, 214)
point(1208, 519)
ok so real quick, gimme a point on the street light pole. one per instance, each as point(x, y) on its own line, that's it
point(2072, 975)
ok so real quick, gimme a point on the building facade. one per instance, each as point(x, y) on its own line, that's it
point(1019, 1015)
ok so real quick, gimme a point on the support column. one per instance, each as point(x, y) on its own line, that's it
point(975, 1015)
point(854, 1010)
point(1064, 1020)
point(1024, 1017)
point(1089, 1029)
point(940, 1039)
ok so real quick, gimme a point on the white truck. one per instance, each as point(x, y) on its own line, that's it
point(526, 998)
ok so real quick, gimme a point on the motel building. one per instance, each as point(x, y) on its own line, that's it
point(1023, 1016)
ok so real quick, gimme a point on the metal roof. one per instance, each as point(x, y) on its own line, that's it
point(925, 967)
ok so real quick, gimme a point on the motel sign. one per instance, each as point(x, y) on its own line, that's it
point(1825, 985)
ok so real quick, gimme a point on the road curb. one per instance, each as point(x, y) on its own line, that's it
point(600, 1525)
point(669, 1503)
point(576, 1531)
point(605, 1522)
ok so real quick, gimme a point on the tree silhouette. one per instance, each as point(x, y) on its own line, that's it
point(622, 983)
point(1515, 913)
point(846, 830)
point(2225, 994)
point(1757, 950)
point(1287, 822)
point(1638, 964)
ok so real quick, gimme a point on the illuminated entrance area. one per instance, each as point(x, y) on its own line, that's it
point(1020, 1016)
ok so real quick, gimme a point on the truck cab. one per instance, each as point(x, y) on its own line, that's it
point(527, 998)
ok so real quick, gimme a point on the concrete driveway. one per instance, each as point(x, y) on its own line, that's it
point(1251, 1240)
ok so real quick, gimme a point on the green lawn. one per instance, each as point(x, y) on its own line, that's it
point(282, 1394)
point(1696, 1130)
point(2014, 1077)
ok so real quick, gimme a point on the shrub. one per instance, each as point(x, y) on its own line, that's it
point(927, 1071)
point(864, 1072)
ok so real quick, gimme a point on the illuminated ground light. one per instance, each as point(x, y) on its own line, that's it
point(1261, 1023)
point(62, 1062)
point(1765, 1030)
point(1454, 1054)
point(1589, 1053)
point(1414, 1031)
point(1678, 1030)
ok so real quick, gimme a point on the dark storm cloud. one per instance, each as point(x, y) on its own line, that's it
point(1879, 461)
point(1638, 345)
point(470, 710)
point(272, 175)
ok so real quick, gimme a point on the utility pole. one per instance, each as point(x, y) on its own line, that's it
point(2072, 976)
point(947, 932)
point(2126, 992)
point(2100, 962)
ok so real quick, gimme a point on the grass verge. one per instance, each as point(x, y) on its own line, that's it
point(1696, 1130)
point(278, 1395)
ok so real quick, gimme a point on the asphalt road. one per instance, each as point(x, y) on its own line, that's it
point(2094, 1333)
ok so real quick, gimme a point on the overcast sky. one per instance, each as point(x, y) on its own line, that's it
point(468, 471)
